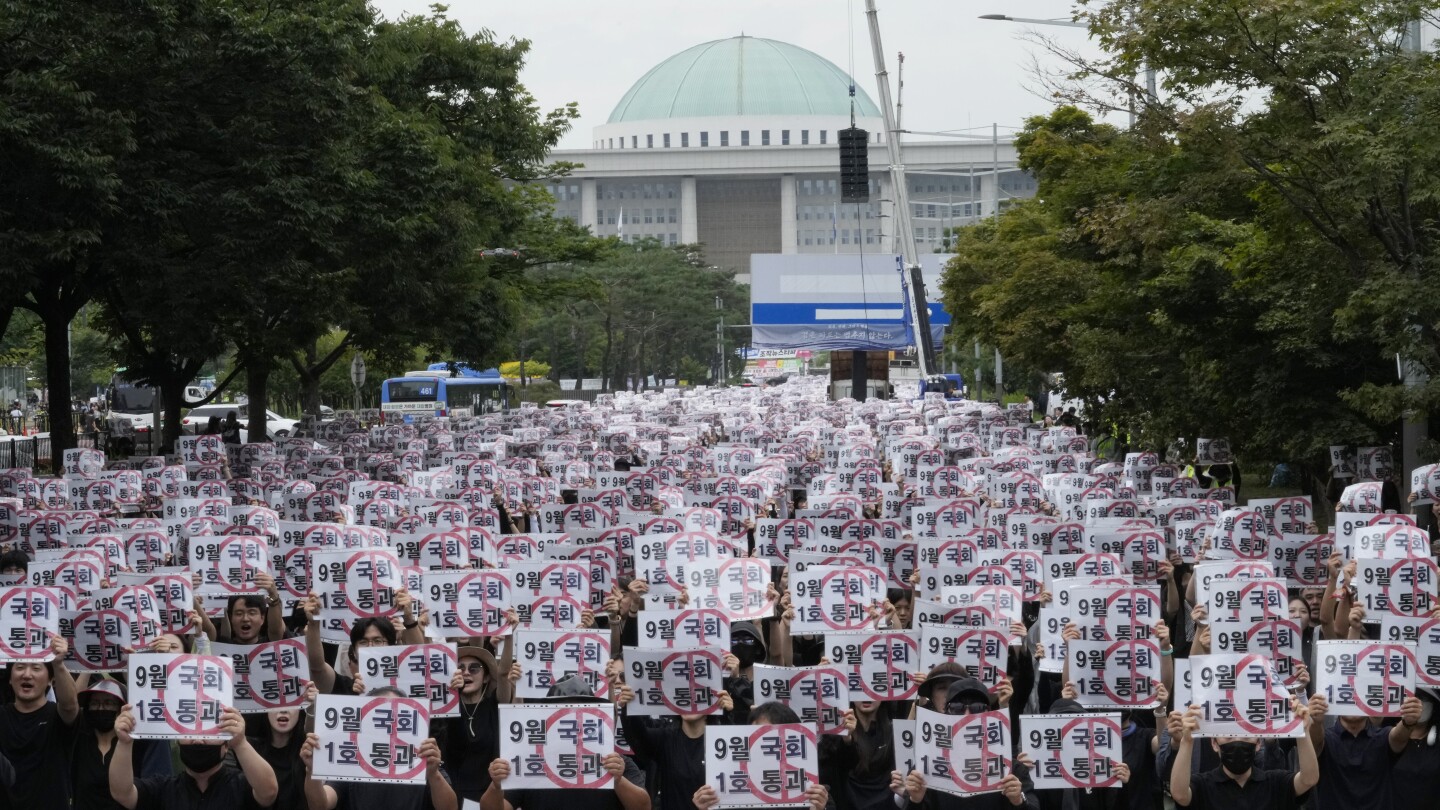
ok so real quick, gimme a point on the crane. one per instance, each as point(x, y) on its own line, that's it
point(911, 281)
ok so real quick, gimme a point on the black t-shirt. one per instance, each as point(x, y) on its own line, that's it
point(1415, 777)
point(344, 685)
point(90, 770)
point(470, 743)
point(1355, 769)
point(289, 770)
point(679, 759)
point(38, 745)
point(1142, 792)
point(575, 799)
point(227, 790)
point(1264, 790)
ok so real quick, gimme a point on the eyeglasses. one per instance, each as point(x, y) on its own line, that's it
point(472, 669)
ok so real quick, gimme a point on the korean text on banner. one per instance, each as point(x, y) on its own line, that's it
point(761, 766)
point(560, 746)
point(370, 739)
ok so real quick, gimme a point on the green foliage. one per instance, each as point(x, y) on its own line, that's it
point(635, 311)
point(284, 183)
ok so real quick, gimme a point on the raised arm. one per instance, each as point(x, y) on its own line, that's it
point(320, 672)
point(1328, 602)
point(263, 785)
point(505, 687)
point(122, 773)
point(1409, 718)
point(631, 795)
point(318, 795)
point(1309, 774)
point(1184, 750)
point(1316, 731)
point(442, 795)
point(67, 699)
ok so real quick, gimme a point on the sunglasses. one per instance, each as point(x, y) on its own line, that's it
point(975, 707)
point(472, 669)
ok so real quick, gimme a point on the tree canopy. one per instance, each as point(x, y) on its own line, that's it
point(237, 176)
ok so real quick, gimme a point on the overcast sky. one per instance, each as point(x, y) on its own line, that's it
point(960, 71)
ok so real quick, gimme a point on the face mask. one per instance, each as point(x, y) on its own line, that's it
point(749, 654)
point(1427, 709)
point(201, 758)
point(101, 719)
point(1237, 757)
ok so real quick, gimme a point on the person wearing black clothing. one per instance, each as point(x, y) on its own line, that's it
point(627, 793)
point(1355, 757)
point(1415, 777)
point(1114, 798)
point(363, 633)
point(208, 782)
point(677, 751)
point(435, 794)
point(37, 735)
point(230, 430)
point(280, 746)
point(1238, 784)
point(95, 743)
point(469, 742)
point(857, 766)
point(967, 696)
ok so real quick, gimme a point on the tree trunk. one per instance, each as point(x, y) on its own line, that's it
point(310, 382)
point(257, 382)
point(172, 398)
point(57, 379)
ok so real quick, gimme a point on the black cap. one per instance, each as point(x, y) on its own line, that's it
point(571, 689)
point(1066, 706)
point(967, 690)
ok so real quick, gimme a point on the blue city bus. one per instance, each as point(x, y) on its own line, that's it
point(436, 391)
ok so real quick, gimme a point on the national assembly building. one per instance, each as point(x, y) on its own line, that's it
point(733, 144)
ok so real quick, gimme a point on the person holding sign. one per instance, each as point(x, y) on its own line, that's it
point(435, 794)
point(678, 752)
point(469, 742)
point(36, 733)
point(101, 699)
point(1356, 756)
point(1238, 784)
point(967, 696)
point(207, 781)
point(373, 632)
point(628, 792)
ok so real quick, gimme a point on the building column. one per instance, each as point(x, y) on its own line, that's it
point(588, 214)
point(689, 217)
point(788, 227)
point(987, 194)
point(887, 211)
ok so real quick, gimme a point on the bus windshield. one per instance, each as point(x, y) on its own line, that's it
point(412, 390)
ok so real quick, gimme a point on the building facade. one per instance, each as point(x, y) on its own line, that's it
point(732, 144)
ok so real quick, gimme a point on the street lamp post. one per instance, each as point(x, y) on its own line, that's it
point(720, 364)
point(1151, 93)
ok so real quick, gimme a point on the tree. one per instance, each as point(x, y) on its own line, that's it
point(1166, 291)
point(640, 312)
point(1326, 113)
point(61, 144)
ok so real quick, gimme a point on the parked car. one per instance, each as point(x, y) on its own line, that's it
point(276, 425)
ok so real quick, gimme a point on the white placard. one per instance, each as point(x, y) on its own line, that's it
point(1241, 695)
point(679, 681)
point(370, 739)
point(180, 697)
point(557, 745)
point(1363, 678)
point(420, 671)
point(762, 766)
point(1072, 750)
point(270, 675)
point(967, 755)
point(547, 656)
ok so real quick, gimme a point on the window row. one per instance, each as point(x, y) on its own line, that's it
point(637, 216)
point(783, 137)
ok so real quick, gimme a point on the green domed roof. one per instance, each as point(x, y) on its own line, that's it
point(741, 76)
